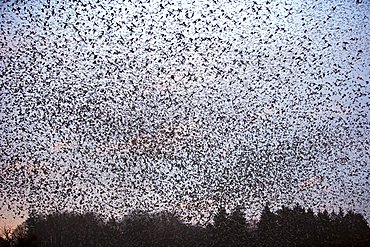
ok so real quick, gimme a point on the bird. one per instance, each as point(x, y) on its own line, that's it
point(110, 105)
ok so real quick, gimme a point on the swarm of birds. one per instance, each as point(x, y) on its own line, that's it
point(112, 106)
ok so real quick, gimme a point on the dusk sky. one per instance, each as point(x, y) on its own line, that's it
point(111, 106)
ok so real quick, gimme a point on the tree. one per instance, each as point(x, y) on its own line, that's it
point(355, 229)
point(160, 229)
point(17, 237)
point(324, 227)
point(7, 236)
point(267, 227)
point(21, 238)
point(60, 229)
point(295, 226)
point(230, 229)
point(220, 228)
point(4, 242)
point(238, 228)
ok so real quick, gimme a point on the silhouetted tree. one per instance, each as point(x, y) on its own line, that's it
point(301, 227)
point(161, 229)
point(220, 228)
point(6, 237)
point(4, 242)
point(267, 227)
point(19, 237)
point(219, 225)
point(67, 229)
point(295, 226)
point(323, 227)
point(238, 228)
point(356, 228)
point(230, 229)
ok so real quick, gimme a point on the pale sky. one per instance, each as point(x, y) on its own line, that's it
point(113, 106)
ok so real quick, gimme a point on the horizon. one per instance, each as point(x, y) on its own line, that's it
point(204, 223)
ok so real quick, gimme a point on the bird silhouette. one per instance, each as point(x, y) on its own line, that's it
point(110, 106)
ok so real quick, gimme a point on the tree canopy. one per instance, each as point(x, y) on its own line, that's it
point(294, 226)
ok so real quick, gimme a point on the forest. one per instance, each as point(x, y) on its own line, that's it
point(288, 226)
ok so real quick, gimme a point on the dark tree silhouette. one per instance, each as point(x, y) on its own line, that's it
point(60, 229)
point(355, 227)
point(295, 226)
point(4, 242)
point(219, 228)
point(323, 226)
point(161, 229)
point(301, 227)
point(231, 229)
point(238, 229)
point(267, 227)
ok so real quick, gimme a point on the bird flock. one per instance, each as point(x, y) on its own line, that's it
point(112, 106)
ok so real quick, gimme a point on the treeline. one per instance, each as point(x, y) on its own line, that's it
point(295, 226)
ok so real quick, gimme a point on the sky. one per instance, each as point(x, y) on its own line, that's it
point(113, 106)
